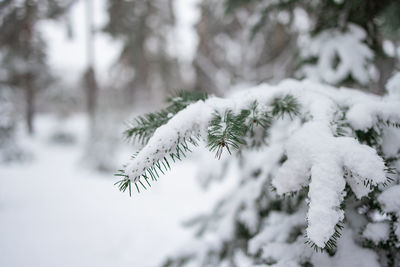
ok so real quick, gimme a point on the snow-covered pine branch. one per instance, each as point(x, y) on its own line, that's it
point(144, 126)
point(323, 154)
point(223, 123)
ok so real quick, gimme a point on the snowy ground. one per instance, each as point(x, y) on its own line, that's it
point(54, 212)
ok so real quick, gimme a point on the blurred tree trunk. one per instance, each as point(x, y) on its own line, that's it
point(30, 101)
point(28, 79)
point(385, 66)
point(140, 81)
point(91, 91)
point(90, 82)
point(205, 70)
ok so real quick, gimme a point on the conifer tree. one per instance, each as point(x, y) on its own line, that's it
point(318, 183)
point(145, 64)
point(23, 48)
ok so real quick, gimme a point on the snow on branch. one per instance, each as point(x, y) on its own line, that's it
point(340, 54)
point(202, 121)
point(321, 157)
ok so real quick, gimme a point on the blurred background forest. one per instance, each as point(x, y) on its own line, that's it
point(73, 71)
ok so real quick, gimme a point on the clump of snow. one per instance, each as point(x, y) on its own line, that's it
point(366, 114)
point(347, 254)
point(377, 232)
point(393, 85)
point(390, 199)
point(301, 20)
point(340, 54)
point(389, 48)
point(276, 229)
point(391, 142)
point(275, 246)
point(313, 151)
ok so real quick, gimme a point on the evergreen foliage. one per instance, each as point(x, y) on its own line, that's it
point(330, 164)
point(369, 14)
point(321, 187)
point(224, 131)
point(326, 29)
point(144, 126)
point(226, 54)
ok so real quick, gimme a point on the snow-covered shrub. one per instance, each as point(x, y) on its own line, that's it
point(319, 183)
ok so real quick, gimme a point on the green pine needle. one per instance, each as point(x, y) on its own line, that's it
point(227, 131)
point(143, 127)
point(286, 105)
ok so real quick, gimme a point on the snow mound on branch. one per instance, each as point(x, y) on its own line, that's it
point(390, 199)
point(377, 232)
point(364, 115)
point(323, 157)
point(393, 85)
point(274, 242)
point(348, 254)
point(166, 139)
point(276, 229)
point(391, 142)
point(390, 202)
point(317, 158)
point(340, 54)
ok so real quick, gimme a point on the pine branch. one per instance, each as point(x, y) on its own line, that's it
point(335, 141)
point(144, 126)
point(331, 244)
point(286, 105)
point(159, 167)
point(389, 123)
point(259, 117)
point(230, 130)
point(227, 131)
point(258, 124)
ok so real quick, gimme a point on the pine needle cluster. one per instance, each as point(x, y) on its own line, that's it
point(143, 127)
